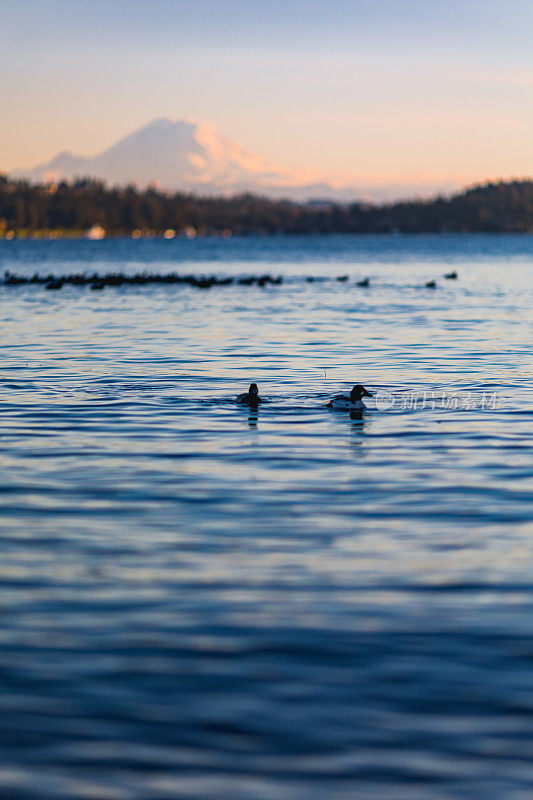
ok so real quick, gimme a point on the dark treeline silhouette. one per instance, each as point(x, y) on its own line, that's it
point(77, 206)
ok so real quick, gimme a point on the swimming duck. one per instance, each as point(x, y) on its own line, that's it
point(251, 397)
point(353, 402)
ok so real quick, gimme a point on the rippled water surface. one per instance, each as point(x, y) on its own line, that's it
point(199, 601)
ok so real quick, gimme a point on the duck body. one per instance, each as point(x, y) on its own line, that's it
point(353, 402)
point(343, 403)
point(251, 397)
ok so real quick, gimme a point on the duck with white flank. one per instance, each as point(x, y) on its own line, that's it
point(352, 403)
point(251, 397)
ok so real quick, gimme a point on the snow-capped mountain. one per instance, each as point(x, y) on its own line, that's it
point(182, 155)
point(189, 156)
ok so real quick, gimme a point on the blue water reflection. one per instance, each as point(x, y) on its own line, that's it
point(200, 600)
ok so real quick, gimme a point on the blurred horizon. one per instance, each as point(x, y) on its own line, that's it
point(405, 97)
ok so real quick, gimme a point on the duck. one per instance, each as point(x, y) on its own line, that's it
point(251, 397)
point(353, 402)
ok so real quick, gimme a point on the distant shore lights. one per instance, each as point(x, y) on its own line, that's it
point(96, 232)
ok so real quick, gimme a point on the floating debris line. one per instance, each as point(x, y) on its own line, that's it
point(96, 281)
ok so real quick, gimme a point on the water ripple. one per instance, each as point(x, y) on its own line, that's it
point(201, 600)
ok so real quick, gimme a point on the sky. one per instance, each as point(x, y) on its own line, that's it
point(416, 93)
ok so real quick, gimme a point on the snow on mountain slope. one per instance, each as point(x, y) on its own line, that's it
point(184, 155)
point(175, 154)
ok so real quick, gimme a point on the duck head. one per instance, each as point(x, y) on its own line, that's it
point(358, 392)
point(253, 391)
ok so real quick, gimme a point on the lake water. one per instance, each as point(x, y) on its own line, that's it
point(203, 602)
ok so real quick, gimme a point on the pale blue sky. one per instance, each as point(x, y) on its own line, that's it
point(410, 91)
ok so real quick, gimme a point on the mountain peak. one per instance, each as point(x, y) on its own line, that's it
point(170, 123)
point(178, 154)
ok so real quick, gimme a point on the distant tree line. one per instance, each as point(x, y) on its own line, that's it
point(84, 203)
